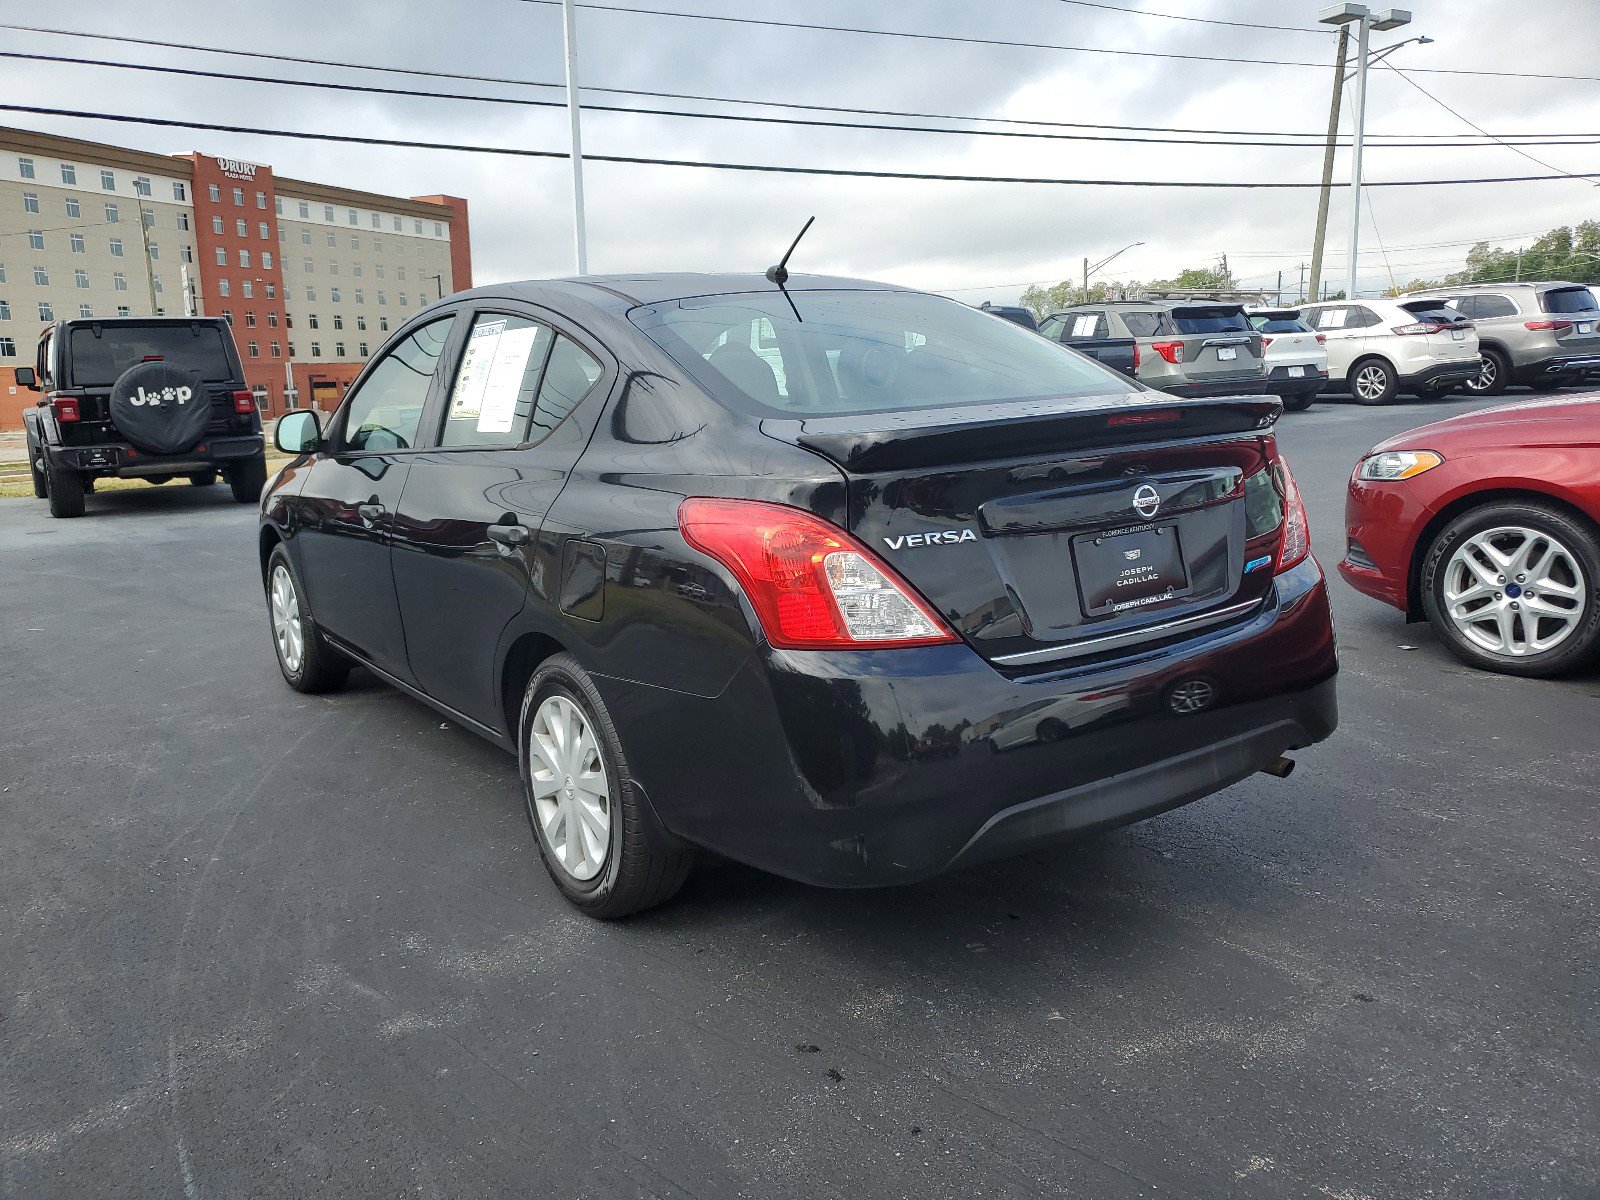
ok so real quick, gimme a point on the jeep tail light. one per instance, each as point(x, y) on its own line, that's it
point(1171, 351)
point(1295, 542)
point(244, 403)
point(1555, 325)
point(812, 585)
point(66, 408)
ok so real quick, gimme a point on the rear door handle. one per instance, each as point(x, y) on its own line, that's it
point(370, 513)
point(510, 536)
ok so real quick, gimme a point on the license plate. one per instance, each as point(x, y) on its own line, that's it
point(1586, 327)
point(1129, 570)
point(1227, 353)
point(1460, 335)
point(1297, 372)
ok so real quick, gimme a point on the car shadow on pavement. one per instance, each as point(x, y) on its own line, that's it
point(170, 498)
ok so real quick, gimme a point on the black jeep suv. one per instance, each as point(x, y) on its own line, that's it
point(140, 398)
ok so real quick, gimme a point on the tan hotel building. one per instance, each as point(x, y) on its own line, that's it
point(312, 277)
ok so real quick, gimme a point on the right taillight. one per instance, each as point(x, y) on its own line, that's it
point(1322, 339)
point(1556, 325)
point(66, 408)
point(1136, 356)
point(1295, 542)
point(1265, 341)
point(1171, 351)
point(812, 585)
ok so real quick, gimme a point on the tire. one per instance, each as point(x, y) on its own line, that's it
point(65, 491)
point(1495, 376)
point(317, 666)
point(247, 479)
point(40, 492)
point(203, 479)
point(1050, 730)
point(1298, 403)
point(1527, 529)
point(1373, 381)
point(640, 865)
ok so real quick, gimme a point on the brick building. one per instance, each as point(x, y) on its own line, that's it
point(312, 276)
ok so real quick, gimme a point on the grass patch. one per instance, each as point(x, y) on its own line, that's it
point(16, 485)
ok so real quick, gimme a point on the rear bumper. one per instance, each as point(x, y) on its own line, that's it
point(864, 769)
point(1281, 383)
point(1581, 364)
point(114, 458)
point(1257, 385)
point(1446, 372)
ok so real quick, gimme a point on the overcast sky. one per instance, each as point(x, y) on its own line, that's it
point(989, 239)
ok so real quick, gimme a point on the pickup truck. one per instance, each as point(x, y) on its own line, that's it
point(1089, 333)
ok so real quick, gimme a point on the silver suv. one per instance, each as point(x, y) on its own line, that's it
point(1544, 335)
point(1379, 347)
point(1190, 347)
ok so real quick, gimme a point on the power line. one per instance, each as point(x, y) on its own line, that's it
point(811, 122)
point(758, 168)
point(1017, 44)
point(1317, 137)
point(1139, 12)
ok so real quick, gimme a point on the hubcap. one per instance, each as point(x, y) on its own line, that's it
point(1371, 382)
point(286, 627)
point(1486, 374)
point(1514, 592)
point(571, 794)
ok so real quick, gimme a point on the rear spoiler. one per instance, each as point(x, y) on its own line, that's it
point(934, 437)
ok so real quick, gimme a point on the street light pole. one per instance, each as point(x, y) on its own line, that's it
point(1088, 270)
point(570, 36)
point(1327, 160)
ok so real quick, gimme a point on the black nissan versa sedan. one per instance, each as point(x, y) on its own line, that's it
point(851, 583)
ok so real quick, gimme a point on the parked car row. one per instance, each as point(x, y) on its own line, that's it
point(1482, 338)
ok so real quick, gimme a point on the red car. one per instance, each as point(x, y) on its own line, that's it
point(1488, 525)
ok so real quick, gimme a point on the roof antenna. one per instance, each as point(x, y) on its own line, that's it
point(780, 273)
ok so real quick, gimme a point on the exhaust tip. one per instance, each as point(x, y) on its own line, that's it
point(1279, 767)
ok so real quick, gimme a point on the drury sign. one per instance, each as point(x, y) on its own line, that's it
point(234, 169)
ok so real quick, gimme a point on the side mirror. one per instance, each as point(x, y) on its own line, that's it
point(26, 378)
point(298, 432)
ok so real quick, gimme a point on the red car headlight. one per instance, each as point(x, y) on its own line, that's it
point(1392, 465)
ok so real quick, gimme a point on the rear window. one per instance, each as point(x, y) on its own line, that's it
point(1433, 310)
point(1279, 325)
point(96, 361)
point(862, 352)
point(1568, 300)
point(1216, 319)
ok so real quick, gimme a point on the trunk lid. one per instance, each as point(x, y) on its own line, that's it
point(1577, 305)
point(1219, 344)
point(1051, 531)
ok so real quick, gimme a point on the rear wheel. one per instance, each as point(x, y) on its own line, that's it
point(203, 479)
point(597, 836)
point(65, 490)
point(1373, 381)
point(36, 470)
point(308, 663)
point(247, 478)
point(1494, 374)
point(1511, 587)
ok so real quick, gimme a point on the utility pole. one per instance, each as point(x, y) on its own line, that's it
point(1300, 293)
point(1277, 294)
point(1327, 160)
point(149, 269)
point(1357, 145)
point(1085, 281)
point(1519, 264)
point(570, 35)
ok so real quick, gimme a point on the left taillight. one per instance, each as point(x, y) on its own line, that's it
point(244, 403)
point(1295, 542)
point(812, 585)
point(66, 408)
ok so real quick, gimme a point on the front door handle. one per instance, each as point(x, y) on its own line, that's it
point(371, 513)
point(510, 536)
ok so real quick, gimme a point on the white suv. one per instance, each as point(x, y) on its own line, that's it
point(1378, 347)
point(1295, 357)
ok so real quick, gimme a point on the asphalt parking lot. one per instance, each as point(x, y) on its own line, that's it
point(255, 943)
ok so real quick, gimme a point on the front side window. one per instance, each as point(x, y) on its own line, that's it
point(863, 351)
point(384, 412)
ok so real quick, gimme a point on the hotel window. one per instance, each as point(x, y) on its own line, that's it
point(309, 266)
point(5, 310)
point(355, 242)
point(255, 349)
point(141, 185)
point(2, 272)
point(338, 319)
point(305, 237)
point(382, 300)
point(215, 193)
point(25, 167)
point(222, 256)
point(238, 197)
point(356, 270)
point(36, 239)
point(401, 274)
point(363, 349)
point(112, 215)
point(316, 349)
point(124, 311)
point(333, 268)
point(155, 250)
point(244, 259)
point(242, 227)
point(119, 282)
point(47, 311)
point(375, 219)
point(75, 240)
point(361, 322)
point(383, 324)
point(350, 213)
point(108, 181)
point(272, 320)
point(399, 225)
point(438, 229)
point(149, 218)
point(261, 199)
point(224, 287)
point(86, 310)
point(283, 234)
point(8, 348)
point(291, 349)
point(403, 300)
point(30, 202)
point(312, 322)
point(338, 349)
point(180, 193)
point(69, 174)
point(266, 260)
point(361, 297)
point(419, 228)
point(156, 283)
point(227, 315)
point(74, 209)
point(377, 245)
point(334, 295)
point(80, 278)
point(277, 349)
point(305, 211)
point(248, 287)
point(333, 239)
point(183, 220)
point(277, 205)
point(311, 294)
point(41, 277)
point(272, 291)
point(250, 317)
point(216, 225)
point(378, 270)
point(327, 212)
point(186, 253)
point(266, 233)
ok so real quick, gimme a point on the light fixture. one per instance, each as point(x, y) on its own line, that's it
point(1391, 18)
point(1342, 14)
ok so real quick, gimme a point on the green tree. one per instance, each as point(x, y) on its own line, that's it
point(1212, 279)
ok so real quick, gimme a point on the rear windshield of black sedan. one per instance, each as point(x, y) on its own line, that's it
point(861, 352)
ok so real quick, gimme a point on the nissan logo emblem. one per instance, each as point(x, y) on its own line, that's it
point(1145, 501)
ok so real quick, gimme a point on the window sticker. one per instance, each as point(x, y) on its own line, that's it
point(1083, 326)
point(491, 379)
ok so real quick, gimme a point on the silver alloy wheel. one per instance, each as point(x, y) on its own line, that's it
point(1514, 591)
point(1371, 381)
point(286, 627)
point(571, 792)
point(1486, 375)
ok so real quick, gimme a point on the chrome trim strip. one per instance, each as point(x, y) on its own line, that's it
point(1113, 640)
point(1572, 364)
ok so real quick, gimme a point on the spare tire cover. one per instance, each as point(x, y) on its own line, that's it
point(160, 407)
